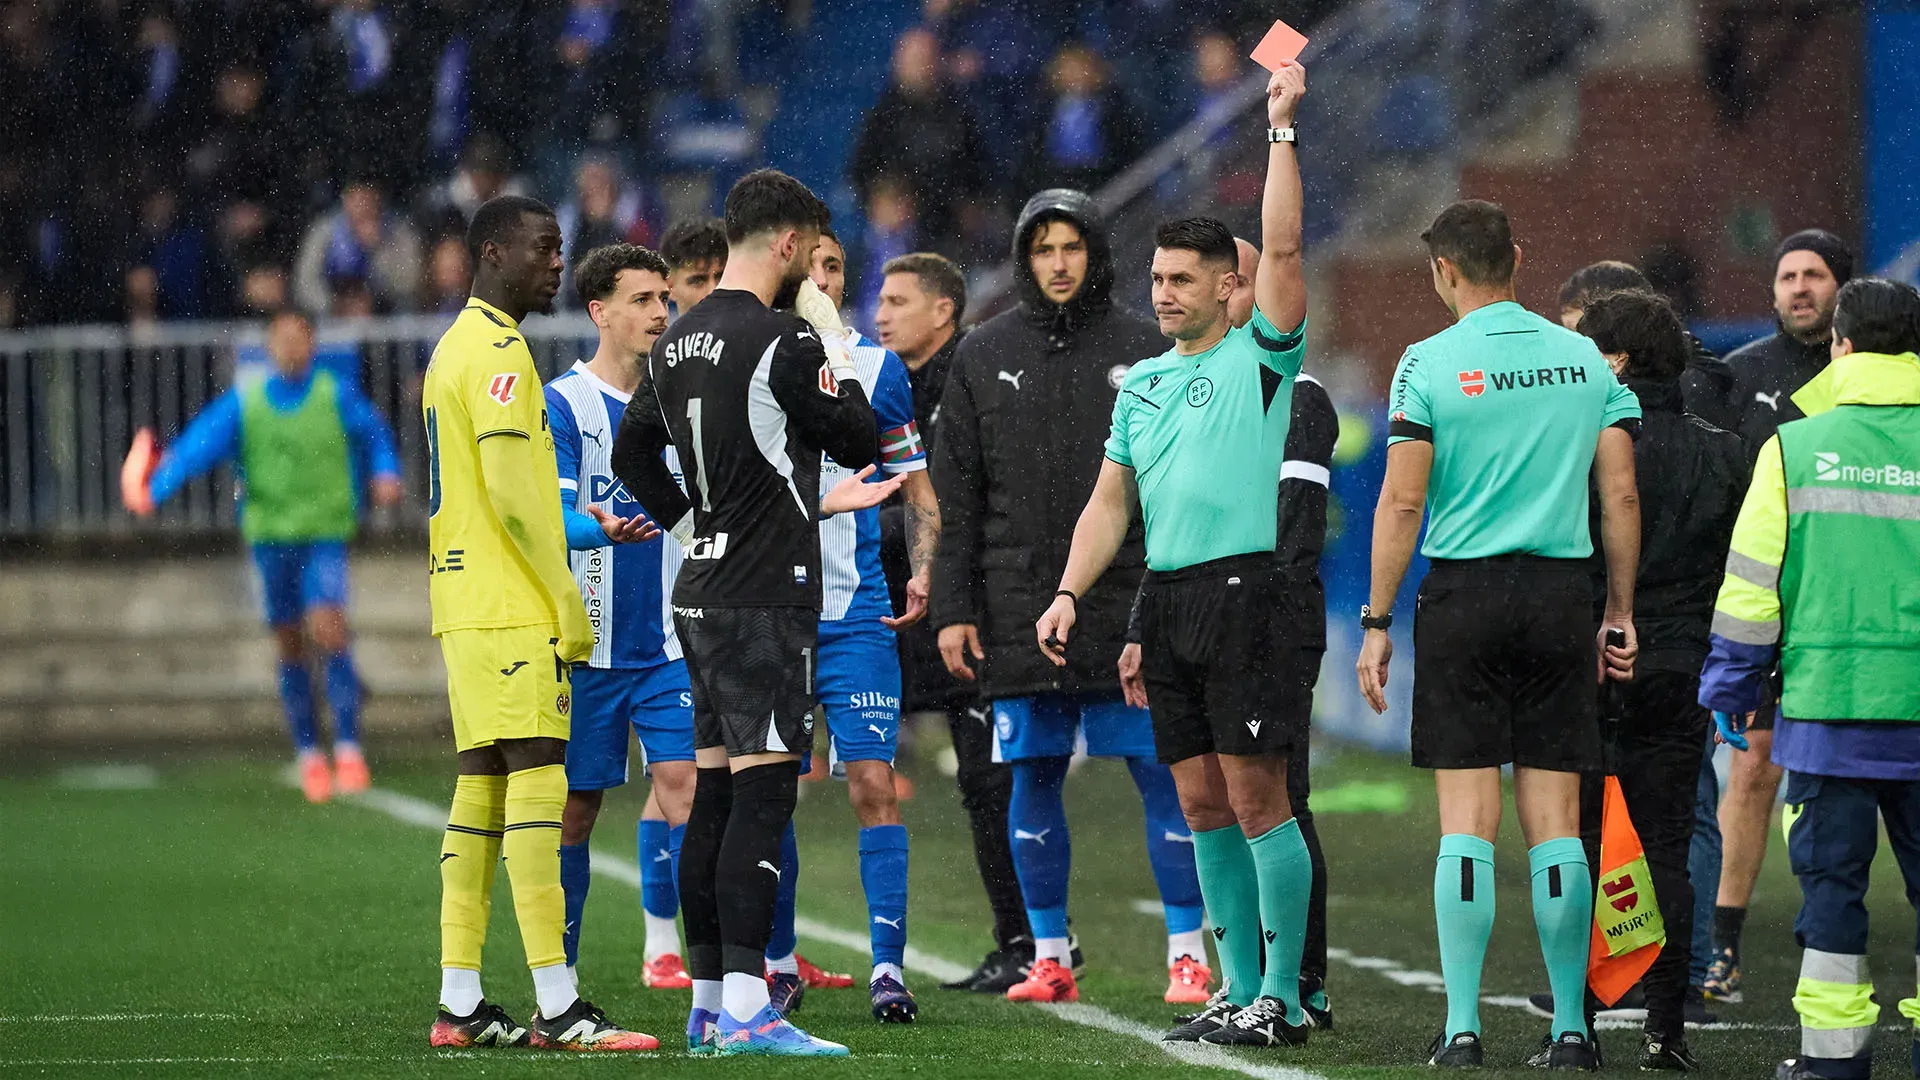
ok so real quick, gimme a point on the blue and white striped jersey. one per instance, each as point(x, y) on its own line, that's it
point(853, 586)
point(628, 588)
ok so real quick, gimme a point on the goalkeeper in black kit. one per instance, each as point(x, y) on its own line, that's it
point(750, 398)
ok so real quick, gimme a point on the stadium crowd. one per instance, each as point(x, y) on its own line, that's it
point(1611, 579)
point(176, 160)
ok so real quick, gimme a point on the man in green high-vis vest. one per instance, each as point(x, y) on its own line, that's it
point(1824, 579)
point(298, 438)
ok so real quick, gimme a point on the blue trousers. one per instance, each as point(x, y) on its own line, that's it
point(1703, 863)
point(1831, 846)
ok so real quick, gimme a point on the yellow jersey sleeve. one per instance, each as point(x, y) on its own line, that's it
point(482, 384)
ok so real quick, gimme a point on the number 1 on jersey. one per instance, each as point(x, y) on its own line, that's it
point(699, 455)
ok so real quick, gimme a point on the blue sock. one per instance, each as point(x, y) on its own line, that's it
point(1463, 914)
point(783, 941)
point(343, 696)
point(1563, 914)
point(1169, 846)
point(674, 836)
point(296, 697)
point(883, 874)
point(576, 873)
point(657, 893)
point(1042, 855)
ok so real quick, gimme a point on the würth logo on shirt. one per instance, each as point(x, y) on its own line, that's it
point(501, 388)
point(1473, 383)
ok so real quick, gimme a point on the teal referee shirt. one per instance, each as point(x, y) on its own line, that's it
point(1513, 405)
point(1205, 436)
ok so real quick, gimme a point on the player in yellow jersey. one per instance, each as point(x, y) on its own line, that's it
point(510, 621)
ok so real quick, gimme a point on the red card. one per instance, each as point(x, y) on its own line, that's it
point(1282, 42)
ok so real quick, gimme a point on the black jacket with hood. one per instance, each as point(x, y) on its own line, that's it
point(1023, 432)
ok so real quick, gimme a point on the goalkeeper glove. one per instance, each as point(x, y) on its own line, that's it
point(815, 307)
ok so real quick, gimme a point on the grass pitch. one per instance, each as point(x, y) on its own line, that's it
point(200, 920)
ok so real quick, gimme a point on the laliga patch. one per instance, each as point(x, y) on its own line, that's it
point(501, 387)
point(829, 385)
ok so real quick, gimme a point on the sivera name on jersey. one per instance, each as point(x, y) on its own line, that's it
point(695, 346)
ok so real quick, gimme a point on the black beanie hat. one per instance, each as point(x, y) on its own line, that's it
point(1824, 244)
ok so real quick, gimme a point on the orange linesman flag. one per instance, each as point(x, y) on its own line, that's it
point(1628, 932)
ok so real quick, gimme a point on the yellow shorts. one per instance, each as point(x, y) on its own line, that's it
point(506, 683)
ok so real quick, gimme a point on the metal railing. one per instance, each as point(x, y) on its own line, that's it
point(1398, 88)
point(72, 397)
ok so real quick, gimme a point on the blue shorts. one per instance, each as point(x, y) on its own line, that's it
point(296, 578)
point(857, 679)
point(657, 701)
point(1056, 725)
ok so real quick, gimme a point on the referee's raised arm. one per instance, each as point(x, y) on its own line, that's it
point(1280, 287)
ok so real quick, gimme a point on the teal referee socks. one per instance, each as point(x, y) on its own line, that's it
point(1463, 912)
point(1285, 871)
point(1232, 895)
point(1563, 913)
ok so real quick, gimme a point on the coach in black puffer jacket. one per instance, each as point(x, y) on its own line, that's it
point(1023, 431)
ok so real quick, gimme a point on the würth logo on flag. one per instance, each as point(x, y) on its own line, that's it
point(1621, 892)
point(1473, 383)
point(829, 385)
point(501, 388)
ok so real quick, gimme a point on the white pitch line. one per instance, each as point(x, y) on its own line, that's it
point(420, 812)
point(112, 1018)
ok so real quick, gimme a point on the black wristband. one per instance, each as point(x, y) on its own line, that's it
point(1069, 595)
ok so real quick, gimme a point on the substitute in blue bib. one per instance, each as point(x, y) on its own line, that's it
point(302, 443)
point(635, 680)
point(1496, 425)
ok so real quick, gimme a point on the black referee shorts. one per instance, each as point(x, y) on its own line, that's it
point(751, 672)
point(1230, 650)
point(1504, 667)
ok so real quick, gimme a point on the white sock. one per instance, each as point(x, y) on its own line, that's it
point(1192, 943)
point(743, 995)
point(553, 990)
point(786, 965)
point(663, 937)
point(888, 969)
point(346, 746)
point(706, 995)
point(459, 990)
point(573, 976)
point(1052, 948)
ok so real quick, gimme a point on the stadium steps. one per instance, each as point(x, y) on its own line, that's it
point(1596, 165)
point(132, 651)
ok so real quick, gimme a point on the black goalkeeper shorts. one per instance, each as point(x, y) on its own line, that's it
point(751, 670)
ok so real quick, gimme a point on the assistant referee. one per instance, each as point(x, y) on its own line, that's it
point(1496, 424)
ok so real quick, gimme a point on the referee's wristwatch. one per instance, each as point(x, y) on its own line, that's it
point(1370, 621)
point(1283, 135)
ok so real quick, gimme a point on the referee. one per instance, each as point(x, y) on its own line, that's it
point(1496, 423)
point(1198, 438)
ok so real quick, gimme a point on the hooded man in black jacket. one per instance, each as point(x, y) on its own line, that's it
point(1809, 268)
point(1023, 430)
point(1692, 478)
